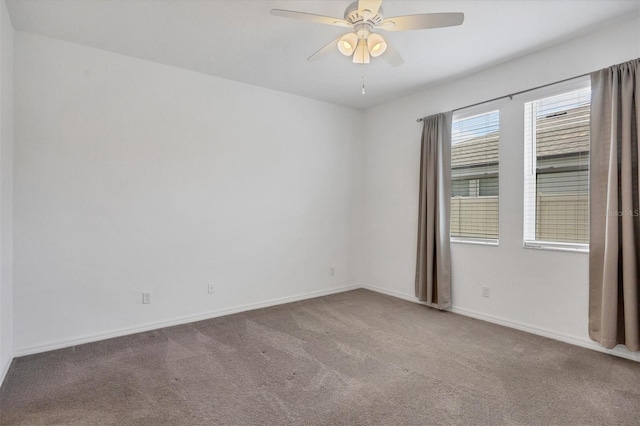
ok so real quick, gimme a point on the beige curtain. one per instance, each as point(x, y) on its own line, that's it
point(433, 265)
point(614, 263)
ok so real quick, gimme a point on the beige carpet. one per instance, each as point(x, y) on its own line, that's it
point(351, 358)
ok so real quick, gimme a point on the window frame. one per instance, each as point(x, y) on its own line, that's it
point(530, 170)
point(485, 108)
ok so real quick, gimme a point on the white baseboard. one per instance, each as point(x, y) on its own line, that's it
point(4, 369)
point(619, 351)
point(176, 321)
point(399, 295)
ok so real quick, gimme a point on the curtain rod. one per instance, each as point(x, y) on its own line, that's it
point(510, 96)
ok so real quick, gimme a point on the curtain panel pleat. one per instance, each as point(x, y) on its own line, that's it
point(433, 264)
point(614, 197)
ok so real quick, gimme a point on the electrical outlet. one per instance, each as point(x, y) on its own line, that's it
point(485, 291)
point(210, 289)
point(332, 270)
point(146, 297)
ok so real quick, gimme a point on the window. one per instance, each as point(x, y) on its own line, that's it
point(557, 171)
point(474, 178)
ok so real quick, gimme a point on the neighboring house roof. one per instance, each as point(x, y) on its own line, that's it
point(565, 133)
point(479, 150)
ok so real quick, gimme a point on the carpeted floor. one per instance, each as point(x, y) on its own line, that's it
point(352, 358)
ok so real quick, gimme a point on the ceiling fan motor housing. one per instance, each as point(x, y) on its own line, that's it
point(353, 16)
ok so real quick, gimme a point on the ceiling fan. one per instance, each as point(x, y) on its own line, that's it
point(364, 17)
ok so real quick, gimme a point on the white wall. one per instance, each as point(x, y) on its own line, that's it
point(540, 291)
point(6, 191)
point(132, 176)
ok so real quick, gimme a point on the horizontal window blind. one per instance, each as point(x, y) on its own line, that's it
point(474, 177)
point(557, 170)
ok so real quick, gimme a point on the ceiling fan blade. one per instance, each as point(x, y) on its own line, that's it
point(423, 21)
point(328, 48)
point(392, 56)
point(302, 16)
point(369, 6)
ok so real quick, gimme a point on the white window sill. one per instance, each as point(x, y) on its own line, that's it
point(476, 241)
point(546, 245)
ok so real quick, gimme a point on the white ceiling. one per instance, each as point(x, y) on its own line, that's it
point(240, 40)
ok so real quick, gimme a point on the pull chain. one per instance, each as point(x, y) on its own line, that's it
point(362, 46)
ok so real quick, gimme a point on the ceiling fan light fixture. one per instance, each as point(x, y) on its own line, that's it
point(361, 55)
point(376, 45)
point(347, 44)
